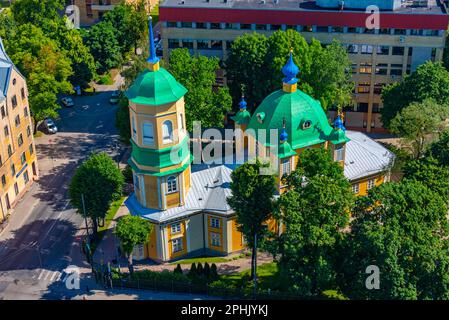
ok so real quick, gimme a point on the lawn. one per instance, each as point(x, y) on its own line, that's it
point(201, 260)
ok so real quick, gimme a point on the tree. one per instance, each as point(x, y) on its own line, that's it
point(252, 201)
point(45, 66)
point(314, 212)
point(429, 81)
point(36, 11)
point(133, 231)
point(100, 182)
point(440, 149)
point(418, 123)
point(122, 122)
point(102, 42)
point(178, 269)
point(203, 102)
point(402, 229)
point(256, 62)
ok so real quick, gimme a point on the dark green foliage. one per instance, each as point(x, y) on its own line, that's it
point(178, 269)
point(128, 174)
point(206, 270)
point(122, 122)
point(200, 270)
point(192, 273)
point(213, 272)
point(439, 150)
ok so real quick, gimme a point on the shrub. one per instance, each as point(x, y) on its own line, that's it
point(213, 272)
point(192, 272)
point(206, 270)
point(128, 174)
point(200, 269)
point(178, 269)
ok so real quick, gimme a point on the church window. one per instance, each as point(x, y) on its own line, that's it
point(355, 188)
point(148, 134)
point(286, 168)
point(172, 184)
point(167, 132)
point(339, 153)
point(371, 184)
point(307, 124)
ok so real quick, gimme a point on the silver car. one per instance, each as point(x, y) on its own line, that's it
point(50, 126)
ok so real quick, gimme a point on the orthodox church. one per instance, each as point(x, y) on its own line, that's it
point(187, 202)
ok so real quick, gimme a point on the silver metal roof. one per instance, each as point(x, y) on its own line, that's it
point(6, 66)
point(365, 157)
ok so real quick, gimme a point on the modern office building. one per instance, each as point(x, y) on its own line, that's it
point(409, 34)
point(91, 11)
point(18, 165)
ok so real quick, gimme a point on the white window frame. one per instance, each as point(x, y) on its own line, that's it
point(167, 132)
point(172, 184)
point(215, 223)
point(175, 228)
point(149, 140)
point(177, 245)
point(370, 184)
point(286, 167)
point(215, 239)
point(339, 153)
point(356, 188)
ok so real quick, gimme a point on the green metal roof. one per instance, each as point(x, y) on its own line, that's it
point(155, 88)
point(242, 117)
point(285, 150)
point(305, 120)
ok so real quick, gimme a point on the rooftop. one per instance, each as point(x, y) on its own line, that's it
point(432, 7)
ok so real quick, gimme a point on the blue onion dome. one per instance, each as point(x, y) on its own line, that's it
point(283, 135)
point(242, 103)
point(290, 70)
point(338, 124)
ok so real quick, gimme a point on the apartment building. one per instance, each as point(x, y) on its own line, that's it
point(410, 33)
point(18, 164)
point(91, 11)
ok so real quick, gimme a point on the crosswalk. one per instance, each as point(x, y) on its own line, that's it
point(49, 276)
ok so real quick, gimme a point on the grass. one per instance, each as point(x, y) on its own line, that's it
point(105, 79)
point(201, 260)
point(38, 134)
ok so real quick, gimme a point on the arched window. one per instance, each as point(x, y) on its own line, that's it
point(172, 184)
point(167, 132)
point(147, 133)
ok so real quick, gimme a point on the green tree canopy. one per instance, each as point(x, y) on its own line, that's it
point(132, 231)
point(203, 101)
point(314, 212)
point(101, 183)
point(419, 123)
point(429, 81)
point(402, 229)
point(440, 149)
point(36, 11)
point(252, 200)
point(256, 61)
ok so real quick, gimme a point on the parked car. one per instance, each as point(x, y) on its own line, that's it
point(67, 102)
point(50, 126)
point(115, 97)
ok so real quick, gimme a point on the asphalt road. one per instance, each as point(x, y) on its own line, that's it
point(44, 232)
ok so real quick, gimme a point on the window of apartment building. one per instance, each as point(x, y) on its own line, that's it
point(371, 184)
point(186, 24)
point(416, 32)
point(337, 29)
point(366, 49)
point(171, 24)
point(289, 26)
point(175, 228)
point(6, 131)
point(14, 81)
point(353, 48)
point(215, 240)
point(28, 131)
point(172, 184)
point(261, 27)
point(362, 107)
point(201, 25)
point(215, 25)
point(22, 93)
point(400, 32)
point(14, 101)
point(229, 44)
point(383, 50)
point(245, 26)
point(354, 68)
point(365, 68)
point(17, 121)
point(216, 45)
point(275, 27)
point(352, 30)
point(381, 68)
point(378, 88)
point(307, 28)
point(322, 29)
point(231, 26)
point(9, 150)
point(339, 153)
point(89, 8)
point(363, 87)
point(376, 107)
point(369, 31)
point(384, 31)
point(13, 169)
point(202, 44)
point(3, 111)
point(25, 112)
point(286, 167)
point(431, 33)
point(147, 134)
point(396, 70)
point(23, 158)
point(355, 188)
point(215, 223)
point(187, 44)
point(398, 51)
point(31, 148)
point(173, 43)
point(3, 180)
point(177, 245)
point(16, 188)
point(26, 178)
point(20, 140)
